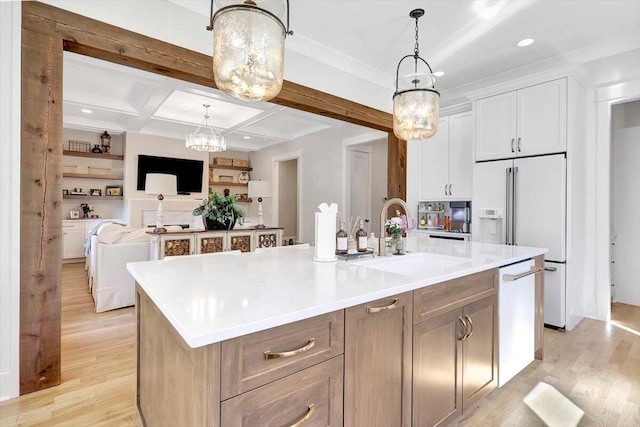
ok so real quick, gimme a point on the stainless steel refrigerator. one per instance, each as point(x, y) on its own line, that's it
point(523, 202)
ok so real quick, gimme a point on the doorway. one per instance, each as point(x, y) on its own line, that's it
point(288, 199)
point(365, 184)
point(287, 194)
point(360, 183)
point(625, 204)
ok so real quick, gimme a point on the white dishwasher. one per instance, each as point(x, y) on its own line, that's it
point(516, 311)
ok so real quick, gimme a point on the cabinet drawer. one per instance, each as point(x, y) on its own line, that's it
point(71, 225)
point(435, 300)
point(292, 347)
point(313, 395)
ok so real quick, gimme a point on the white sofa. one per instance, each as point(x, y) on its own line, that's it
point(111, 249)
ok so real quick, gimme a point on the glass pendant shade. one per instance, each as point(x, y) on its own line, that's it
point(248, 52)
point(416, 103)
point(415, 114)
point(206, 138)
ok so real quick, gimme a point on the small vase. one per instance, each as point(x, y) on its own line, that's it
point(96, 149)
point(397, 245)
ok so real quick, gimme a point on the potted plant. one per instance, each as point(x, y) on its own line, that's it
point(219, 212)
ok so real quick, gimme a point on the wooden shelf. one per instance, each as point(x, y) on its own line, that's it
point(93, 155)
point(91, 176)
point(233, 168)
point(244, 201)
point(75, 196)
point(229, 184)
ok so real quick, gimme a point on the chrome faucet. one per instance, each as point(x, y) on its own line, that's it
point(383, 219)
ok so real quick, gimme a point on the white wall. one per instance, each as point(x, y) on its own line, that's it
point(625, 205)
point(10, 58)
point(321, 170)
point(135, 144)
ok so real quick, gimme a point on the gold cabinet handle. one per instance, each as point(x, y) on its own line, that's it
point(307, 416)
point(391, 306)
point(471, 325)
point(464, 324)
point(269, 355)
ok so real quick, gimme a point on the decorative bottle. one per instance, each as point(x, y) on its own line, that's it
point(361, 238)
point(342, 244)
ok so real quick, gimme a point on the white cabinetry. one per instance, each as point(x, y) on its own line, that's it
point(74, 234)
point(446, 160)
point(525, 122)
point(72, 239)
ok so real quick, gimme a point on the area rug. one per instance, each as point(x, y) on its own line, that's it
point(553, 408)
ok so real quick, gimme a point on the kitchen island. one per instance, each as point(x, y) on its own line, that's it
point(273, 338)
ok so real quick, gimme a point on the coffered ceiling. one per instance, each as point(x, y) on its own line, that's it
point(99, 96)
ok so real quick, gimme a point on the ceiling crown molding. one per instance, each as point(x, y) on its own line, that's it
point(305, 47)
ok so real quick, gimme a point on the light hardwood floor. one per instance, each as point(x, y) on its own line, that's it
point(597, 366)
point(98, 366)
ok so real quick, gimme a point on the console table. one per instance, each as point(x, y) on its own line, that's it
point(198, 241)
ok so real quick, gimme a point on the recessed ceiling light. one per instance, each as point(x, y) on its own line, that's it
point(246, 137)
point(439, 73)
point(87, 111)
point(525, 42)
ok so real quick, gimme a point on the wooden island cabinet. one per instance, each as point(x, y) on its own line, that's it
point(392, 350)
point(422, 357)
point(378, 363)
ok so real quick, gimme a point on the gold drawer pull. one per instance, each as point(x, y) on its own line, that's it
point(470, 324)
point(391, 306)
point(309, 414)
point(269, 355)
point(465, 325)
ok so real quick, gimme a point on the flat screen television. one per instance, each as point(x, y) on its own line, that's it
point(188, 172)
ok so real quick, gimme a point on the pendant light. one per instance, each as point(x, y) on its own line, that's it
point(248, 48)
point(205, 137)
point(416, 105)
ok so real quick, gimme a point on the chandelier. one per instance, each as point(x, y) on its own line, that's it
point(248, 48)
point(205, 137)
point(416, 105)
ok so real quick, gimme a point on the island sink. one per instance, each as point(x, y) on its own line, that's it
point(416, 264)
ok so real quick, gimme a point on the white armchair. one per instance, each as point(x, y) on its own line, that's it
point(111, 284)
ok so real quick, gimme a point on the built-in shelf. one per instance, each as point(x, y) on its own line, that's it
point(91, 176)
point(75, 196)
point(244, 201)
point(234, 168)
point(231, 184)
point(93, 155)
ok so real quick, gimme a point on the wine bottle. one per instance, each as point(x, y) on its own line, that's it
point(361, 238)
point(342, 243)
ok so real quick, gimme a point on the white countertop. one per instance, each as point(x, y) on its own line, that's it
point(211, 298)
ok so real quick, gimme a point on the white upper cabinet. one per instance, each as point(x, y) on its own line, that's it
point(524, 122)
point(434, 163)
point(460, 156)
point(446, 160)
point(542, 119)
point(495, 120)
